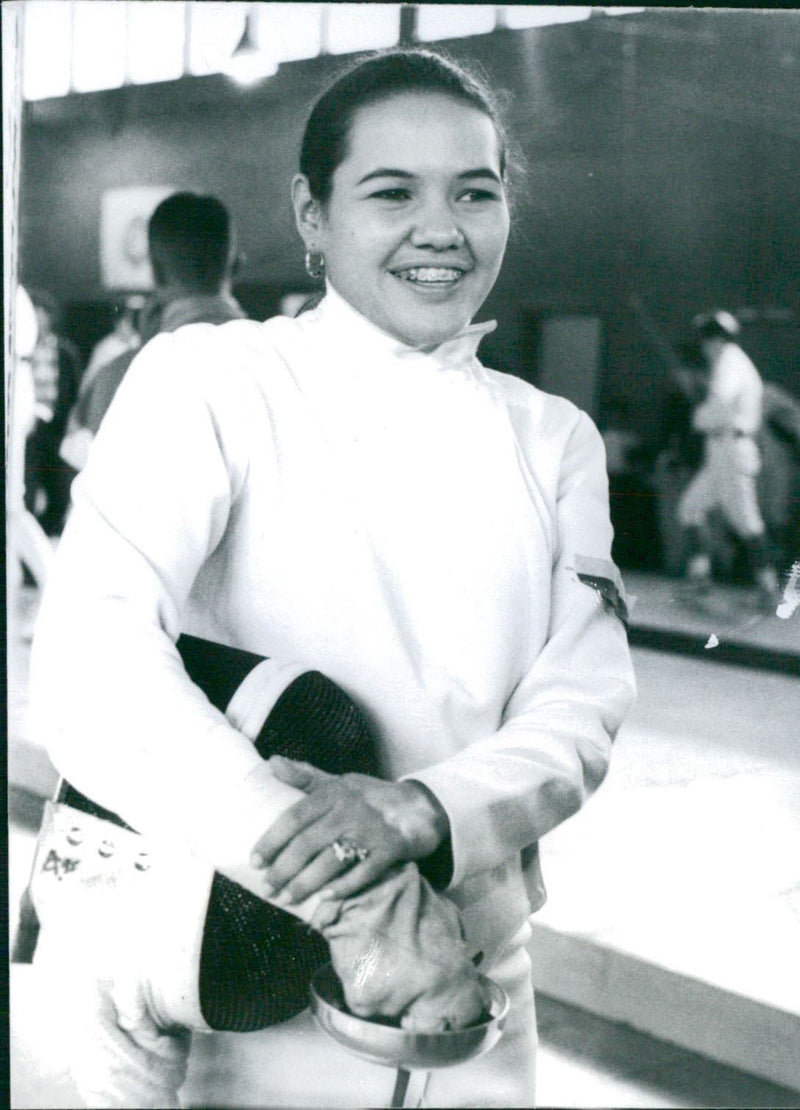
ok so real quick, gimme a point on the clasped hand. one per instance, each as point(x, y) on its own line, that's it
point(394, 822)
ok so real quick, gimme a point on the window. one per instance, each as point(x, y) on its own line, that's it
point(47, 49)
point(449, 21)
point(85, 45)
point(155, 43)
point(353, 27)
point(290, 31)
point(214, 30)
point(99, 45)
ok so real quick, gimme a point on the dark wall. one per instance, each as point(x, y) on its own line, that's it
point(662, 155)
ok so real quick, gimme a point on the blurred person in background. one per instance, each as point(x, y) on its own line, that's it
point(730, 418)
point(56, 365)
point(619, 439)
point(123, 337)
point(680, 447)
point(192, 249)
point(779, 479)
point(27, 545)
point(688, 386)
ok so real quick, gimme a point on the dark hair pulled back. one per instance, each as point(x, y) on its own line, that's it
point(377, 78)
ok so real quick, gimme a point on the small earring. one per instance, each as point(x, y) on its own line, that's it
point(315, 264)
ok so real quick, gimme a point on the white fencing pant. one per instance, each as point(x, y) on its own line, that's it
point(726, 481)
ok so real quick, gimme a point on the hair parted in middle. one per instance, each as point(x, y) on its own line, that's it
point(375, 79)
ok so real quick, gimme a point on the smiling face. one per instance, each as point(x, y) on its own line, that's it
point(417, 221)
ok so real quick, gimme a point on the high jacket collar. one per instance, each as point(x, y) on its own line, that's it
point(337, 315)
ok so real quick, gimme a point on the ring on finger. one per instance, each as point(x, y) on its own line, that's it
point(348, 851)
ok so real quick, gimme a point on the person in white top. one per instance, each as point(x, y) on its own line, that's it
point(124, 336)
point(351, 491)
point(730, 418)
point(27, 543)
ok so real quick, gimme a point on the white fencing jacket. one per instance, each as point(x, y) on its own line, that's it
point(407, 522)
point(735, 395)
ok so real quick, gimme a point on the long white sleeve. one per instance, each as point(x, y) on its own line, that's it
point(109, 696)
point(504, 792)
